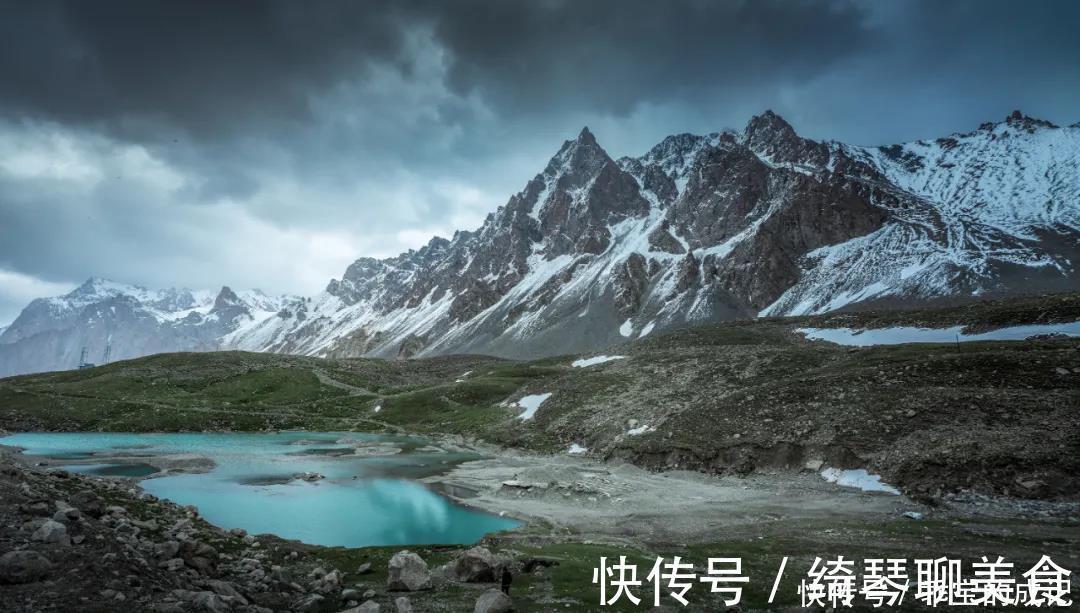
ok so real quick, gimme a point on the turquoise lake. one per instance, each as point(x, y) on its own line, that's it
point(362, 499)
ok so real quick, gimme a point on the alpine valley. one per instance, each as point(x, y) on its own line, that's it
point(596, 250)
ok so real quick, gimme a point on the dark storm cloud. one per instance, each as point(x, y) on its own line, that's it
point(270, 142)
point(943, 67)
point(611, 56)
point(211, 69)
point(205, 68)
point(221, 71)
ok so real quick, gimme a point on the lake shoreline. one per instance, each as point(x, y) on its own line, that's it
point(576, 510)
point(560, 492)
point(358, 489)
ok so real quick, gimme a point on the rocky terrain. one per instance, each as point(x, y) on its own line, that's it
point(70, 542)
point(596, 250)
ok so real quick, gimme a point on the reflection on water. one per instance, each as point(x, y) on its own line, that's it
point(113, 470)
point(334, 451)
point(362, 500)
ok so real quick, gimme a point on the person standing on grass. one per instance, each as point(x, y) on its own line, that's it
point(507, 579)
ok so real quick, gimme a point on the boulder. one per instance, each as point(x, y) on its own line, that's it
point(209, 601)
point(533, 563)
point(67, 516)
point(403, 605)
point(38, 507)
point(23, 567)
point(151, 525)
point(202, 600)
point(477, 565)
point(309, 604)
point(166, 550)
point(408, 573)
point(328, 583)
point(198, 555)
point(493, 601)
point(368, 607)
point(52, 532)
point(192, 548)
point(226, 590)
point(202, 565)
point(172, 565)
point(66, 513)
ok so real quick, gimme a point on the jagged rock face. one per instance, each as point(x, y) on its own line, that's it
point(411, 346)
point(688, 274)
point(701, 228)
point(728, 188)
point(813, 214)
point(631, 280)
point(775, 140)
point(707, 227)
point(589, 193)
point(661, 239)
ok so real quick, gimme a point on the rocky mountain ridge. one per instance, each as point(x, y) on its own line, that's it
point(596, 250)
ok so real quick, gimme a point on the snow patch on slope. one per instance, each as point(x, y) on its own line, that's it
point(531, 404)
point(857, 478)
point(905, 334)
point(600, 359)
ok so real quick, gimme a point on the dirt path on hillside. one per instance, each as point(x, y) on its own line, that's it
point(353, 390)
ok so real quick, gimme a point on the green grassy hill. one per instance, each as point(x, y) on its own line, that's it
point(999, 417)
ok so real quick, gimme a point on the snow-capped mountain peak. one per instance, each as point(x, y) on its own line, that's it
point(700, 228)
point(226, 299)
point(990, 211)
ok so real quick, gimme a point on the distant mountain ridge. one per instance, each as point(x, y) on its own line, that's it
point(131, 321)
point(762, 221)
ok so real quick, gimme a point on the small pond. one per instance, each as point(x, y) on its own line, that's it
point(325, 488)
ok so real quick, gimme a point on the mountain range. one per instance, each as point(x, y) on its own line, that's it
point(596, 250)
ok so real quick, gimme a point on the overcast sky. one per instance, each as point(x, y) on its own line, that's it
point(269, 144)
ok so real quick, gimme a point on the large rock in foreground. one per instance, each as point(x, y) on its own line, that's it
point(52, 532)
point(408, 573)
point(23, 567)
point(493, 601)
point(477, 565)
point(89, 503)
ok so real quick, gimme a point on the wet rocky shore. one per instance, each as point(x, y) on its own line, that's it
point(72, 542)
